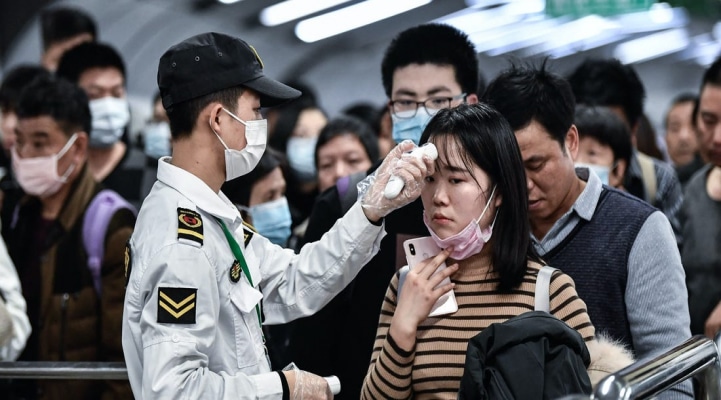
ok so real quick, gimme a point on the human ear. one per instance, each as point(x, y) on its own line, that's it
point(572, 142)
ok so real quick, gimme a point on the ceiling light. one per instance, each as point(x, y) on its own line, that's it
point(290, 10)
point(228, 1)
point(652, 46)
point(352, 17)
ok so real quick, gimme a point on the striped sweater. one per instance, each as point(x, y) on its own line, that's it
point(433, 369)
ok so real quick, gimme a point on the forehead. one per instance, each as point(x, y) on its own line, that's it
point(710, 99)
point(534, 140)
point(681, 109)
point(39, 126)
point(341, 144)
point(101, 76)
point(425, 79)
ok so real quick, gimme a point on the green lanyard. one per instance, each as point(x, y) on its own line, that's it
point(235, 248)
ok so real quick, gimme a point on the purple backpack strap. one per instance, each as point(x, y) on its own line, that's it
point(97, 218)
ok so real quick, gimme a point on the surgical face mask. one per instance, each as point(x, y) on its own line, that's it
point(601, 170)
point(470, 240)
point(272, 220)
point(156, 138)
point(38, 176)
point(410, 128)
point(110, 117)
point(241, 162)
point(301, 157)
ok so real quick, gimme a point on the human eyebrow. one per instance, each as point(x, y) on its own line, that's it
point(405, 92)
point(455, 169)
point(437, 89)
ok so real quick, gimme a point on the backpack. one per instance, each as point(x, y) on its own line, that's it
point(502, 362)
point(95, 225)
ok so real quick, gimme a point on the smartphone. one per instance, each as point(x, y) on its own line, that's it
point(423, 248)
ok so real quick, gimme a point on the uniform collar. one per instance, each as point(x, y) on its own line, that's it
point(197, 191)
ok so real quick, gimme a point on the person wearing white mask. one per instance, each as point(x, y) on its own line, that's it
point(99, 70)
point(604, 144)
point(196, 274)
point(74, 310)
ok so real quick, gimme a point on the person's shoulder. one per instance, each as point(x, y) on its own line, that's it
point(618, 197)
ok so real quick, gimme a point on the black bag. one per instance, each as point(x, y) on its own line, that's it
point(531, 356)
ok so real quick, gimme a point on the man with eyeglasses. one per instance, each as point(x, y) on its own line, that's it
point(426, 68)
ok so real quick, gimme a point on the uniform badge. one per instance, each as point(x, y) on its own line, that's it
point(235, 271)
point(190, 226)
point(176, 305)
point(248, 232)
point(128, 263)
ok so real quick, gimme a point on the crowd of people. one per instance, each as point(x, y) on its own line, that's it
point(241, 244)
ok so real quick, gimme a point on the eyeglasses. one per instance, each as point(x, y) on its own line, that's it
point(407, 108)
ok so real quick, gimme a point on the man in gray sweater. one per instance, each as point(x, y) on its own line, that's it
point(620, 251)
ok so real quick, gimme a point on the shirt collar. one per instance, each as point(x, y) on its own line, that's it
point(585, 204)
point(197, 191)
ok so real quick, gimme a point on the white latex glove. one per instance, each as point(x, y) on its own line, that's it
point(398, 162)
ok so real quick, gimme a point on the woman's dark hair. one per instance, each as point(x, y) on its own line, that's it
point(346, 125)
point(607, 128)
point(238, 189)
point(484, 138)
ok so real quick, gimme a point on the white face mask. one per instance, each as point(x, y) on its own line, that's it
point(241, 162)
point(156, 137)
point(38, 176)
point(110, 116)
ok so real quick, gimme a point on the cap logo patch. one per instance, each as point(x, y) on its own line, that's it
point(176, 305)
point(190, 226)
point(257, 57)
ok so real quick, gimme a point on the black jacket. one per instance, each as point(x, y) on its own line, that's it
point(531, 356)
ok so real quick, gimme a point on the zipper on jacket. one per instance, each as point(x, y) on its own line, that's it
point(63, 322)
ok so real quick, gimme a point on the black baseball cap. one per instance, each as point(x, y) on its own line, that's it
point(211, 62)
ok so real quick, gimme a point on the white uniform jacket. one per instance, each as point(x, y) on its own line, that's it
point(190, 328)
point(15, 305)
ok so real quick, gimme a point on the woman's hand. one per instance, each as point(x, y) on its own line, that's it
point(417, 297)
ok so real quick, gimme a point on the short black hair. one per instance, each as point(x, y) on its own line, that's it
point(59, 99)
point(607, 82)
point(348, 125)
point(14, 82)
point(369, 113)
point(712, 76)
point(680, 99)
point(60, 23)
point(238, 190)
point(485, 139)
point(436, 44)
point(184, 115)
point(85, 56)
point(523, 94)
point(607, 128)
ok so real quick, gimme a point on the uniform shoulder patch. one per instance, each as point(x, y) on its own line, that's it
point(176, 305)
point(128, 262)
point(190, 226)
point(248, 232)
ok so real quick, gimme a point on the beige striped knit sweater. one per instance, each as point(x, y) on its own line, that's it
point(433, 369)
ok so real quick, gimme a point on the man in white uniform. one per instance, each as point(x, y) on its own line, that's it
point(196, 274)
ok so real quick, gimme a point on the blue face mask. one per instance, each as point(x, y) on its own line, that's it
point(410, 128)
point(156, 138)
point(301, 157)
point(272, 220)
point(602, 171)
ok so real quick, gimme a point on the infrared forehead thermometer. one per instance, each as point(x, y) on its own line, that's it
point(395, 184)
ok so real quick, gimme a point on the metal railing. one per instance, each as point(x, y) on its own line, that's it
point(698, 356)
point(63, 370)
